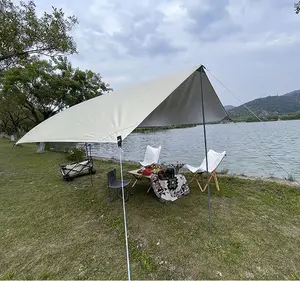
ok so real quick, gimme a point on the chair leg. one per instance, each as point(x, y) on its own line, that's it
point(199, 185)
point(118, 193)
point(209, 179)
point(130, 192)
point(134, 182)
point(193, 178)
point(133, 185)
point(196, 178)
point(126, 194)
point(216, 180)
point(109, 195)
point(214, 176)
point(112, 193)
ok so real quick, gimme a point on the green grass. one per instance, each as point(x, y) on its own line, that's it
point(51, 229)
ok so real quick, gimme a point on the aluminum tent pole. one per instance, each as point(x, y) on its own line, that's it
point(124, 209)
point(89, 149)
point(201, 70)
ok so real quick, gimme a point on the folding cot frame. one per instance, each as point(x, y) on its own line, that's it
point(76, 169)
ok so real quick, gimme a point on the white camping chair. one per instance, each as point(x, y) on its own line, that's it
point(151, 156)
point(214, 160)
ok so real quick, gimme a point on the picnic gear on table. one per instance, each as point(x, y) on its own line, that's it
point(151, 156)
point(139, 175)
point(146, 172)
point(166, 185)
point(166, 173)
point(214, 159)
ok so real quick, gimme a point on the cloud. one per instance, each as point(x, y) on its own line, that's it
point(132, 26)
point(210, 20)
point(250, 45)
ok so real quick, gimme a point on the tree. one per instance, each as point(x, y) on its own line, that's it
point(12, 115)
point(23, 33)
point(297, 7)
point(44, 87)
point(81, 85)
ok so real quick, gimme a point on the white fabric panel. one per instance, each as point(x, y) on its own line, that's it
point(151, 156)
point(118, 113)
point(214, 160)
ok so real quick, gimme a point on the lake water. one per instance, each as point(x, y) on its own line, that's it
point(252, 148)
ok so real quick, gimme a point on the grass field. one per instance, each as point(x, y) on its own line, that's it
point(51, 229)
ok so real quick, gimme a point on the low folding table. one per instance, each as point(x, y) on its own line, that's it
point(139, 177)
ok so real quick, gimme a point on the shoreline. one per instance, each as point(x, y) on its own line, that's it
point(264, 179)
point(245, 177)
point(282, 181)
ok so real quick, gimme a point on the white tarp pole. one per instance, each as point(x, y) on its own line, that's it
point(124, 209)
point(205, 145)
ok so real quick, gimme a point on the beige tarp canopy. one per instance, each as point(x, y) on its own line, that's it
point(170, 100)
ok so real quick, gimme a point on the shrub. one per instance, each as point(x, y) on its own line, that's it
point(76, 154)
point(290, 178)
point(224, 172)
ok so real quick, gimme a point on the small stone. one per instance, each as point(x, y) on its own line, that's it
point(158, 243)
point(249, 275)
point(161, 262)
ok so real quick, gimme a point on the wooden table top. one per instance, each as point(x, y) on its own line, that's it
point(135, 173)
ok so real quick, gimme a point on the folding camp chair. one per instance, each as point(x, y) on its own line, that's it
point(73, 170)
point(115, 185)
point(214, 159)
point(151, 156)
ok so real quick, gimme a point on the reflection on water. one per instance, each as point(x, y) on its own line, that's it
point(252, 148)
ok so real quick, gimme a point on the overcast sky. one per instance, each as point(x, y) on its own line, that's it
point(251, 46)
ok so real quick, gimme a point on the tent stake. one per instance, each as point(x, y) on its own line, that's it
point(201, 69)
point(119, 138)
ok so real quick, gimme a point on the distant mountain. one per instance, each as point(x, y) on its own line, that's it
point(228, 107)
point(294, 95)
point(268, 106)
